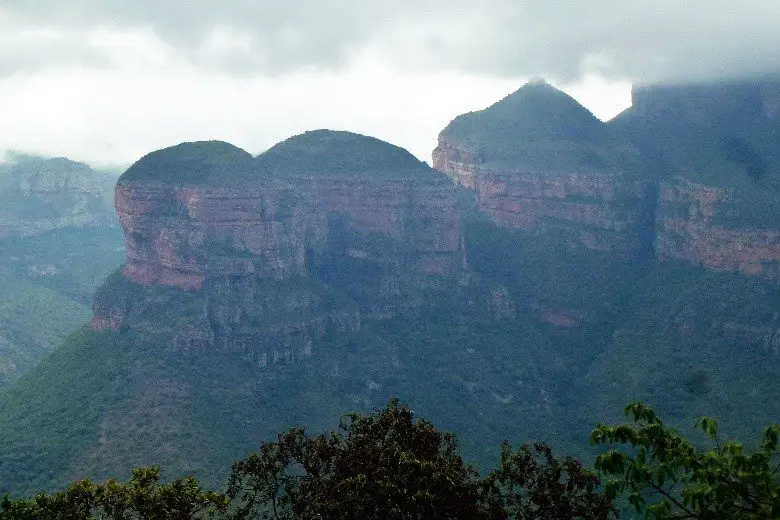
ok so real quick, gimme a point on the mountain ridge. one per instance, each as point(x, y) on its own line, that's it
point(244, 310)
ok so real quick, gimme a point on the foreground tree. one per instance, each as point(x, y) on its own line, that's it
point(530, 483)
point(142, 498)
point(383, 466)
point(665, 476)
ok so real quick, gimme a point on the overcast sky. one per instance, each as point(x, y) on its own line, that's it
point(107, 81)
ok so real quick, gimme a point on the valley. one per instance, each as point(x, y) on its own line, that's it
point(548, 269)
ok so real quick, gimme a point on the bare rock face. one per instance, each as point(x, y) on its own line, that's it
point(719, 147)
point(372, 200)
point(196, 211)
point(243, 241)
point(179, 235)
point(40, 194)
point(540, 162)
point(689, 229)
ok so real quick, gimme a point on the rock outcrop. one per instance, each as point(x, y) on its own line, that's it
point(364, 202)
point(271, 252)
point(689, 173)
point(718, 147)
point(39, 194)
point(540, 162)
point(689, 230)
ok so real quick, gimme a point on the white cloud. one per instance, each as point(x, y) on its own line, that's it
point(643, 40)
point(112, 116)
point(106, 80)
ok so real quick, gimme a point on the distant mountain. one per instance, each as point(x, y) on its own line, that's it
point(59, 238)
point(525, 301)
point(716, 149)
point(40, 194)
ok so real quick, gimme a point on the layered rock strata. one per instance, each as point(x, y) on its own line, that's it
point(249, 240)
point(690, 173)
point(539, 162)
point(719, 149)
point(179, 235)
point(688, 230)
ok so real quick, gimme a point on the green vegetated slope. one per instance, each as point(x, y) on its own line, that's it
point(106, 402)
point(203, 162)
point(717, 135)
point(541, 126)
point(339, 152)
point(33, 320)
point(688, 341)
point(46, 282)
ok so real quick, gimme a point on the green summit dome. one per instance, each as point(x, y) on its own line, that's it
point(338, 152)
point(539, 127)
point(202, 162)
point(536, 111)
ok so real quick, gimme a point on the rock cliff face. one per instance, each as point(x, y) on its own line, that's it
point(691, 172)
point(39, 195)
point(688, 230)
point(251, 241)
point(359, 218)
point(540, 162)
point(718, 145)
point(179, 235)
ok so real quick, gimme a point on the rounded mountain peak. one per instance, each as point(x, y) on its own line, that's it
point(536, 111)
point(339, 152)
point(201, 162)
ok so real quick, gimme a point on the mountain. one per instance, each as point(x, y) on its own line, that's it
point(540, 161)
point(41, 194)
point(375, 238)
point(59, 239)
point(336, 270)
point(704, 195)
point(240, 279)
point(689, 173)
point(717, 147)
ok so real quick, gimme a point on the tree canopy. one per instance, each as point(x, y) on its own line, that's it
point(391, 465)
point(666, 476)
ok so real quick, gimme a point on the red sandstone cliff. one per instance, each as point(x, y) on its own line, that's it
point(688, 230)
point(540, 162)
point(177, 235)
point(238, 236)
point(718, 147)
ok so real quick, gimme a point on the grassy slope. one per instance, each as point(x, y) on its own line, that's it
point(344, 153)
point(106, 402)
point(47, 283)
point(202, 162)
point(33, 319)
